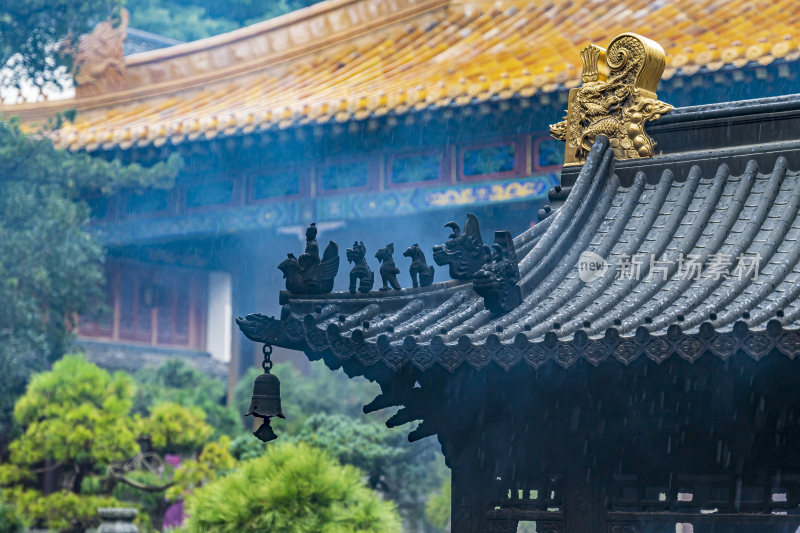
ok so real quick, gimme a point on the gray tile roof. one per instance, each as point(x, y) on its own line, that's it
point(671, 221)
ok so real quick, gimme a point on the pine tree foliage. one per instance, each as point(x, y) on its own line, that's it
point(323, 409)
point(174, 381)
point(173, 428)
point(294, 488)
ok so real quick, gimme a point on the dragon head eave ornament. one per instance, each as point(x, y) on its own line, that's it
point(617, 97)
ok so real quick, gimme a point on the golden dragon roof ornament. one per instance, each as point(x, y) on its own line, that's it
point(617, 97)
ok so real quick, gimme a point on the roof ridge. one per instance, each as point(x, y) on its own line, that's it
point(599, 157)
point(247, 50)
point(356, 59)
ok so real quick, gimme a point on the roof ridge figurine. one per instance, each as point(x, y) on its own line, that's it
point(309, 274)
point(360, 276)
point(617, 97)
point(389, 270)
point(99, 64)
point(497, 281)
point(464, 253)
point(421, 273)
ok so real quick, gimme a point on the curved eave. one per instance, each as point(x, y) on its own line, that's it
point(564, 319)
point(302, 333)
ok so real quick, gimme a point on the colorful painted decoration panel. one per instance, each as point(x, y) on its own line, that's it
point(276, 185)
point(488, 159)
point(344, 176)
point(209, 194)
point(415, 168)
point(331, 207)
point(495, 192)
point(549, 153)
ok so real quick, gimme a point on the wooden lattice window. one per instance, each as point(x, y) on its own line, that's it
point(155, 305)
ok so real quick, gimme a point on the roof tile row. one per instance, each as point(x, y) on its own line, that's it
point(707, 263)
point(466, 52)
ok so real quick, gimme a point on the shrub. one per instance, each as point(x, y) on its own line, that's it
point(293, 488)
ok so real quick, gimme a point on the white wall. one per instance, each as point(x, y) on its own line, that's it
point(219, 328)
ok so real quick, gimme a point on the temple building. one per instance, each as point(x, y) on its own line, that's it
point(628, 364)
point(377, 120)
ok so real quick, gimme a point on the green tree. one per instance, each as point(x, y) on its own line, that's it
point(173, 428)
point(79, 432)
point(174, 381)
point(182, 22)
point(76, 420)
point(61, 511)
point(214, 461)
point(324, 409)
point(294, 488)
point(437, 509)
point(406, 473)
point(9, 520)
point(369, 446)
point(36, 37)
point(51, 267)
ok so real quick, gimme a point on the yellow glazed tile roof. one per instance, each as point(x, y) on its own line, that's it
point(345, 60)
